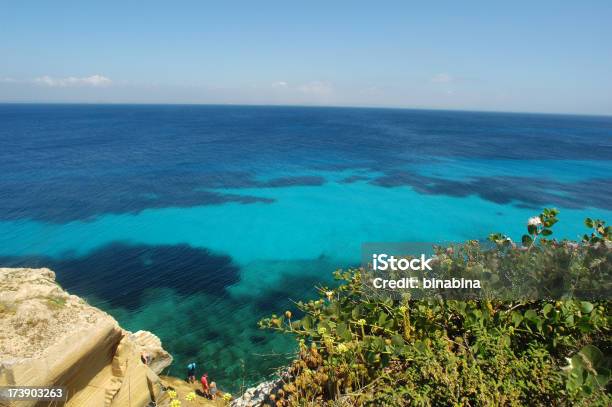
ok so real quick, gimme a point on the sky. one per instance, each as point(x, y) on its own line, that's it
point(526, 56)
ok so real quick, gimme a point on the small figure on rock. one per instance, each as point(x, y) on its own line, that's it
point(213, 390)
point(205, 387)
point(191, 368)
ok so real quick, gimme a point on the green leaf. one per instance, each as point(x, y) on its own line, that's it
point(343, 331)
point(379, 344)
point(588, 222)
point(592, 354)
point(307, 322)
point(325, 325)
point(476, 315)
point(526, 240)
point(539, 322)
point(547, 308)
point(382, 317)
point(397, 340)
point(547, 232)
point(421, 346)
point(517, 318)
point(531, 315)
point(495, 236)
point(506, 340)
point(603, 376)
point(586, 307)
point(356, 312)
point(584, 325)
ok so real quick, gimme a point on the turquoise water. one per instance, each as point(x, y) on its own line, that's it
point(195, 222)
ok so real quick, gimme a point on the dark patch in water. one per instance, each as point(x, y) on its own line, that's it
point(211, 335)
point(526, 206)
point(185, 346)
point(74, 162)
point(86, 198)
point(354, 178)
point(292, 181)
point(524, 192)
point(119, 273)
point(83, 198)
point(257, 339)
point(297, 287)
point(242, 179)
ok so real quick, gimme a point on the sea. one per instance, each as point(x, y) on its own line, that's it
point(194, 222)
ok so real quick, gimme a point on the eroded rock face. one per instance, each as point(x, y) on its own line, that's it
point(151, 347)
point(51, 338)
point(259, 395)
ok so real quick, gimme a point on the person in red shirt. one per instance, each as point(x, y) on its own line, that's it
point(205, 387)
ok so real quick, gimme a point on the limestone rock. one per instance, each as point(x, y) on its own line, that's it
point(258, 395)
point(152, 347)
point(51, 338)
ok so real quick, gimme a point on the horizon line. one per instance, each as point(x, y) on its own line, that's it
point(315, 106)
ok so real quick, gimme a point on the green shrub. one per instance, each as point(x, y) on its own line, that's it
point(360, 349)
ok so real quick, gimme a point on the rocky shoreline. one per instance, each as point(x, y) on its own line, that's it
point(51, 338)
point(259, 395)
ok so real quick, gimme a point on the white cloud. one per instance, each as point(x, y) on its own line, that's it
point(316, 88)
point(442, 78)
point(93, 80)
point(8, 80)
point(280, 84)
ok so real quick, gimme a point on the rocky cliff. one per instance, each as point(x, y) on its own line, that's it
point(51, 338)
point(261, 395)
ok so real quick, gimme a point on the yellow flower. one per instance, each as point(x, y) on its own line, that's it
point(342, 348)
point(172, 394)
point(175, 403)
point(227, 396)
point(361, 322)
point(190, 396)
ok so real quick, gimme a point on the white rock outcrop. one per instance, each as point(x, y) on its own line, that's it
point(259, 395)
point(51, 338)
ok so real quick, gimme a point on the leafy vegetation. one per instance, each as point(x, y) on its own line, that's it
point(360, 349)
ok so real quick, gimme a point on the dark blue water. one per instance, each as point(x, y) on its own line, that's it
point(195, 221)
